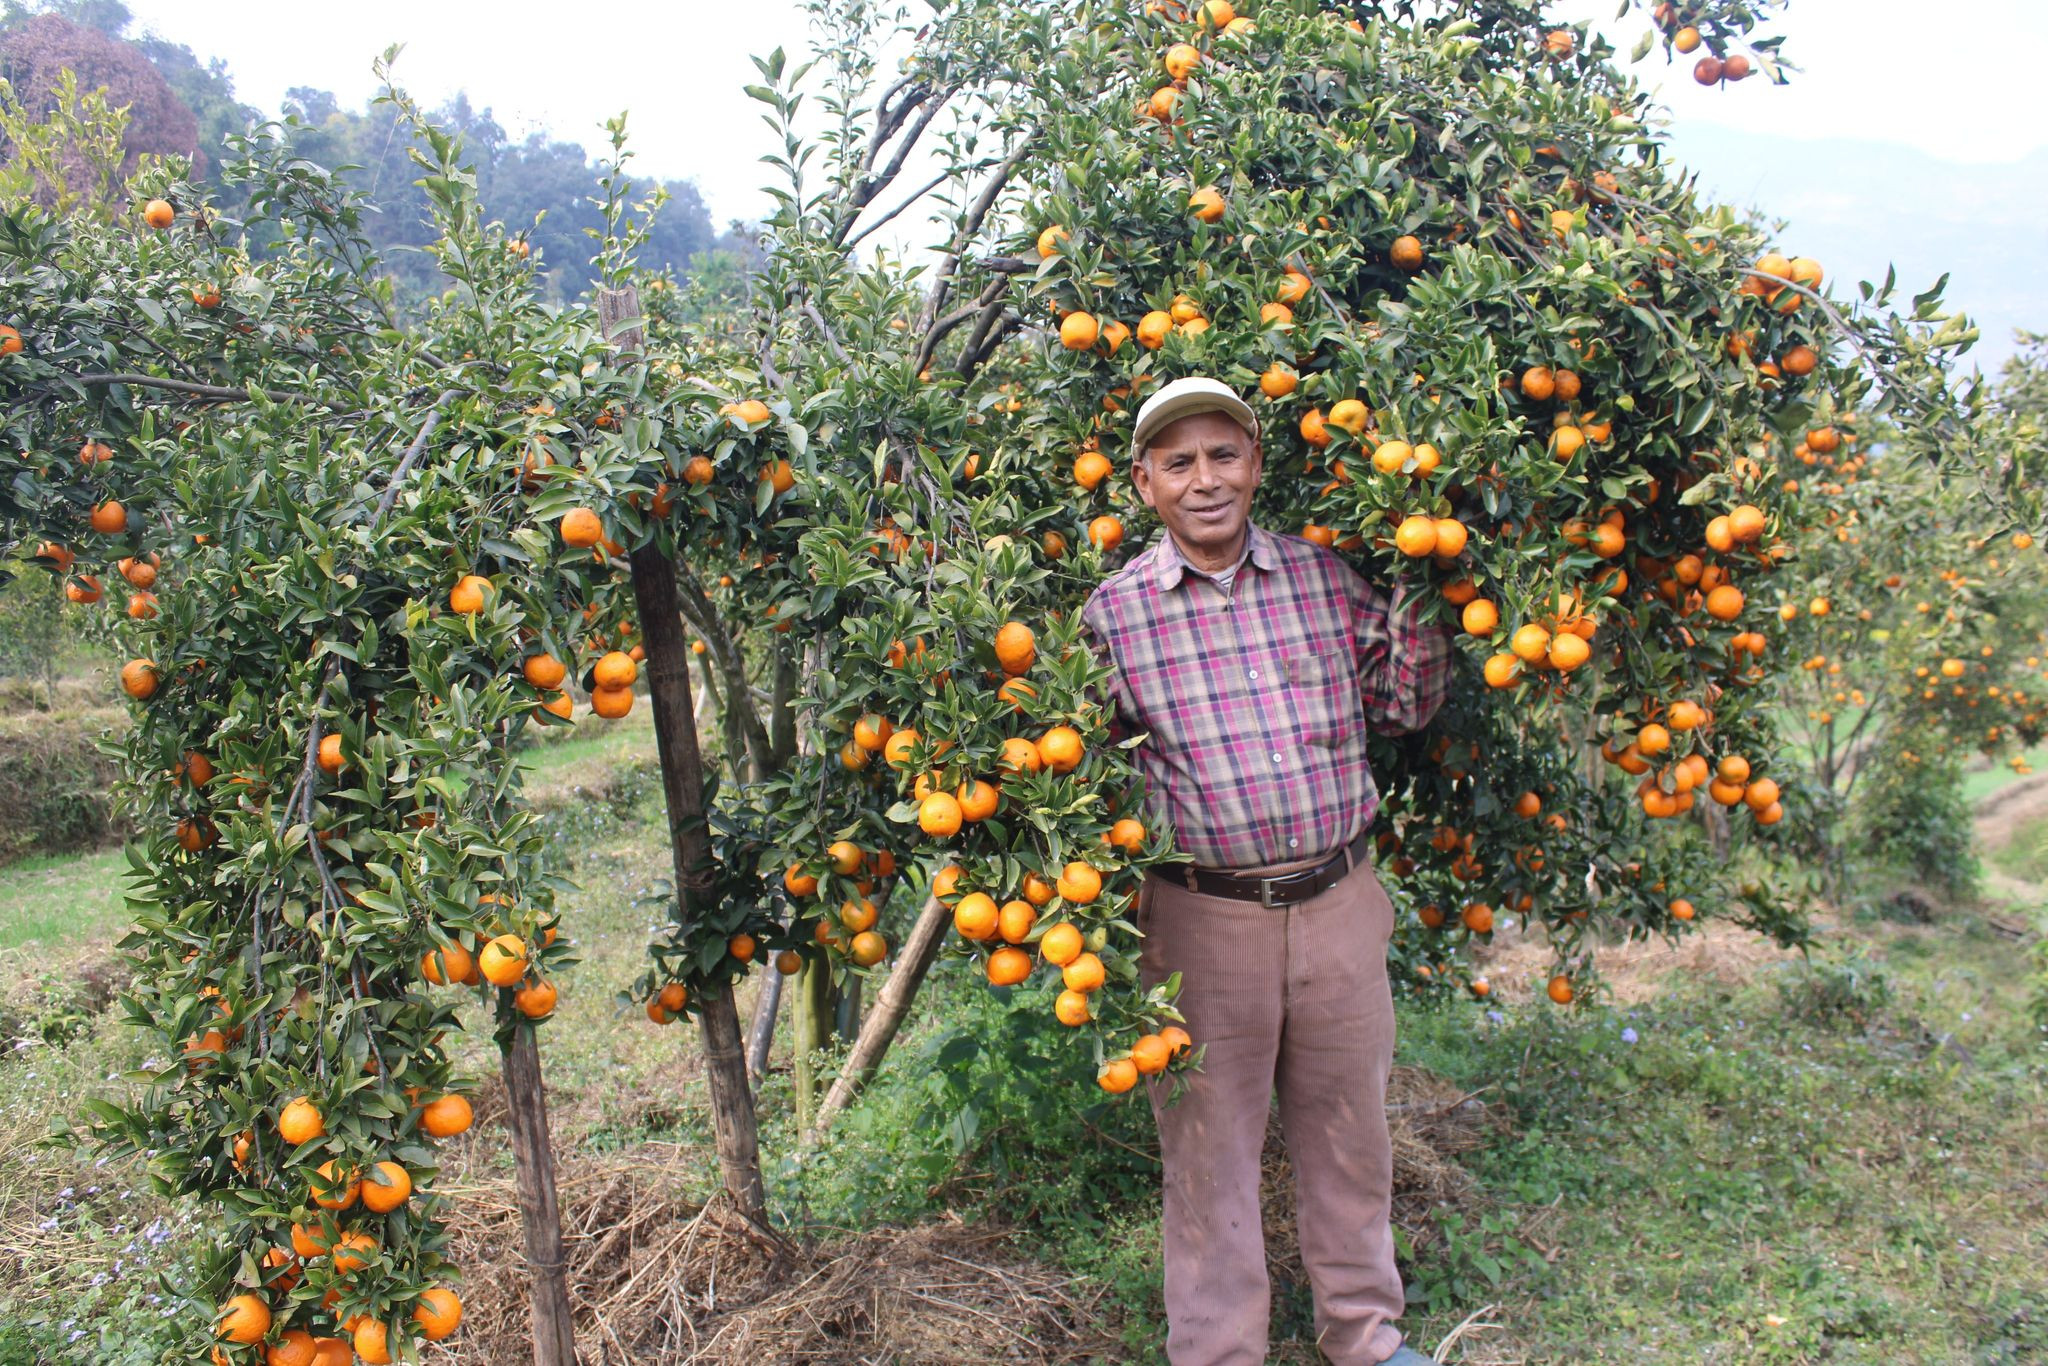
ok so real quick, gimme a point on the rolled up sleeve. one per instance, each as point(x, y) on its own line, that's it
point(1404, 663)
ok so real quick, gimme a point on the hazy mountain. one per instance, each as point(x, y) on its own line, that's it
point(1858, 206)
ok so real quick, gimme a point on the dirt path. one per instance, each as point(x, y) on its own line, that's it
point(2001, 816)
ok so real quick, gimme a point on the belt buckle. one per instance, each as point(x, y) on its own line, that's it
point(1266, 892)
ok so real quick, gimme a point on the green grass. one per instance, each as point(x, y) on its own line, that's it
point(2025, 855)
point(1835, 1163)
point(62, 904)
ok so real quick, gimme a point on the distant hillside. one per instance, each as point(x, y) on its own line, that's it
point(1859, 206)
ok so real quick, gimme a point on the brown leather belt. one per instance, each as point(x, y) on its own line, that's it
point(1284, 889)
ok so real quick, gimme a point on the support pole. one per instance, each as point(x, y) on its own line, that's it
point(878, 1032)
point(533, 1161)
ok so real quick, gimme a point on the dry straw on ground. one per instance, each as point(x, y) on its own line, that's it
point(658, 1278)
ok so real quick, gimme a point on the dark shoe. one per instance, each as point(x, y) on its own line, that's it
point(1408, 1356)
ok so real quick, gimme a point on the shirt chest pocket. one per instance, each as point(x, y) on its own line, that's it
point(1322, 686)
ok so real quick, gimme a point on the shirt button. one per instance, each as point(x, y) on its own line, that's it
point(1294, 844)
point(1276, 758)
point(1255, 673)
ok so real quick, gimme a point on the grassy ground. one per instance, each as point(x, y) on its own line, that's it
point(1743, 1158)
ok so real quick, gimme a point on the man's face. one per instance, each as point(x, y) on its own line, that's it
point(1198, 475)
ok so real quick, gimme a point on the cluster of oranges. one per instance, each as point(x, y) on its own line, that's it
point(332, 1230)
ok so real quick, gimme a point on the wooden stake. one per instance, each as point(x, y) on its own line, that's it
point(533, 1160)
point(919, 952)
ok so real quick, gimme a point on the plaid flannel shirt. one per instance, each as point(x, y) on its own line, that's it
point(1257, 702)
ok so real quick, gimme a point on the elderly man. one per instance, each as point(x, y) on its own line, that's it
point(1256, 663)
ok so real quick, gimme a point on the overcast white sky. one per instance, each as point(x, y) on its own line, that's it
point(1960, 83)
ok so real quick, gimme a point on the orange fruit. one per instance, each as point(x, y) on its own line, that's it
point(1451, 536)
point(976, 917)
point(1008, 966)
point(1503, 670)
point(139, 679)
point(446, 1117)
point(445, 966)
point(1724, 603)
point(1079, 883)
point(334, 1189)
point(387, 1186)
point(1681, 909)
point(544, 671)
point(1206, 204)
point(1071, 1009)
point(1091, 468)
point(1568, 652)
point(1106, 533)
point(1014, 921)
point(1538, 383)
point(1478, 918)
point(330, 757)
point(872, 732)
point(1019, 756)
point(797, 882)
point(1150, 1055)
point(1528, 806)
point(1177, 1040)
point(294, 1348)
point(109, 517)
point(503, 961)
point(1016, 647)
point(1079, 331)
point(1560, 989)
point(1416, 536)
point(1154, 328)
point(1117, 1076)
point(674, 996)
point(1061, 944)
point(244, 1319)
point(1084, 974)
point(977, 799)
point(611, 703)
point(1480, 617)
point(580, 528)
point(159, 214)
point(439, 1313)
point(1061, 749)
point(868, 948)
point(300, 1122)
point(1037, 890)
point(1531, 644)
point(469, 594)
point(1127, 835)
point(939, 815)
point(857, 915)
point(372, 1342)
point(615, 670)
point(1760, 794)
point(1406, 253)
point(535, 1000)
point(1278, 381)
point(846, 857)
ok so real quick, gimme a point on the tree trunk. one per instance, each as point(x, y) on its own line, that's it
point(554, 1332)
point(848, 1013)
point(766, 1006)
point(920, 950)
point(682, 782)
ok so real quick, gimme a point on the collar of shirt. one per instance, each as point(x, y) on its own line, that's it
point(1173, 566)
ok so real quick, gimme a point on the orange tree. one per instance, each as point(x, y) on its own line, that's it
point(1912, 641)
point(1502, 351)
point(351, 561)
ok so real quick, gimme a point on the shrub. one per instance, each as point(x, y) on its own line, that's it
point(1912, 818)
point(56, 787)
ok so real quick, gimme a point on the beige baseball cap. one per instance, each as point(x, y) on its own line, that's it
point(1184, 398)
